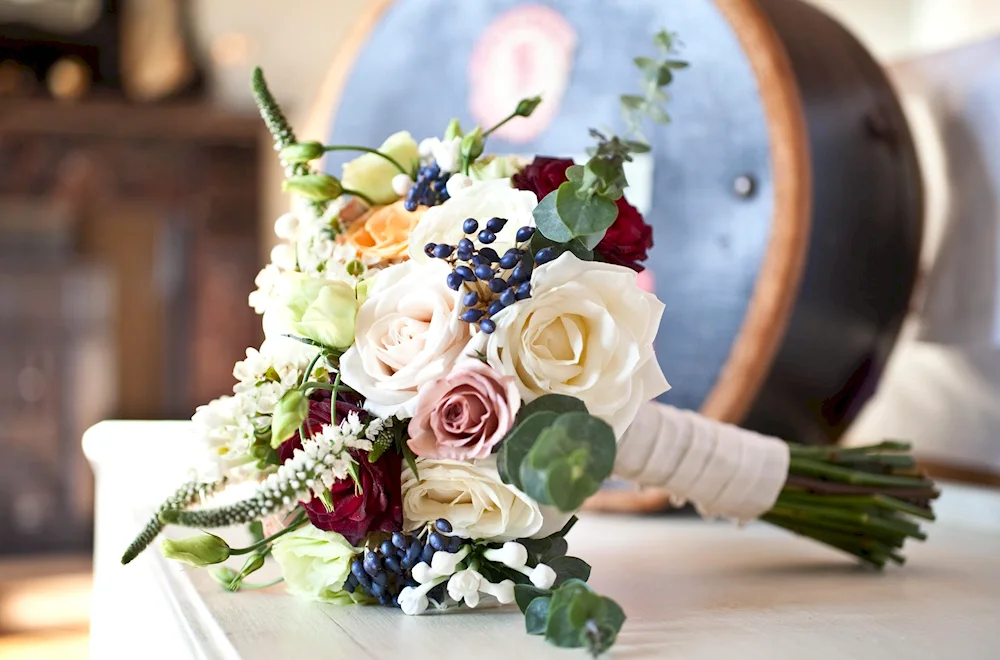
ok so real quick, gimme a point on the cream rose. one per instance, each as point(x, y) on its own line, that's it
point(587, 331)
point(482, 200)
point(407, 333)
point(471, 497)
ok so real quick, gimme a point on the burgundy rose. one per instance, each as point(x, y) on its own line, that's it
point(628, 240)
point(378, 505)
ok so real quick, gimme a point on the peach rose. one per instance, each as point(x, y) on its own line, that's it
point(383, 233)
point(462, 415)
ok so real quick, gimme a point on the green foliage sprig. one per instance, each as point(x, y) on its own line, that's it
point(558, 453)
point(576, 216)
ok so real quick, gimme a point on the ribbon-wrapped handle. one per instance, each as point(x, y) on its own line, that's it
point(723, 470)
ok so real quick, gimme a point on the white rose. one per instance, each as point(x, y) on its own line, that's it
point(471, 497)
point(482, 200)
point(587, 331)
point(407, 333)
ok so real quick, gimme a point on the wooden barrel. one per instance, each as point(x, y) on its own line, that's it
point(785, 196)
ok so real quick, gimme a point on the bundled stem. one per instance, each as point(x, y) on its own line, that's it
point(862, 500)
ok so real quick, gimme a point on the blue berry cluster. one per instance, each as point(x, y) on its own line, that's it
point(492, 282)
point(384, 571)
point(430, 188)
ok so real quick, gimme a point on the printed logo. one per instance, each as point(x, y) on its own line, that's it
point(526, 51)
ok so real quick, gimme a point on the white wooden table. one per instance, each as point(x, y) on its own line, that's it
point(691, 590)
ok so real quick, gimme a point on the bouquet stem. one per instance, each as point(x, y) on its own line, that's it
point(862, 500)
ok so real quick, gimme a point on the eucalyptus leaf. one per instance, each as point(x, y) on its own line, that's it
point(664, 75)
point(664, 41)
point(632, 101)
point(569, 461)
point(557, 403)
point(574, 173)
point(536, 617)
point(519, 442)
point(658, 114)
point(582, 217)
point(564, 628)
point(677, 64)
point(646, 64)
point(568, 568)
point(590, 241)
point(524, 594)
point(550, 224)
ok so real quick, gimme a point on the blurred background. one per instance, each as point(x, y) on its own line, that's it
point(137, 195)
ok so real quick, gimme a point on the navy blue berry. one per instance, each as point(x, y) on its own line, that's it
point(495, 224)
point(443, 526)
point(486, 236)
point(524, 234)
point(497, 284)
point(487, 326)
point(454, 281)
point(545, 255)
point(470, 226)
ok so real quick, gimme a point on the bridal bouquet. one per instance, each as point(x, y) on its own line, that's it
point(457, 355)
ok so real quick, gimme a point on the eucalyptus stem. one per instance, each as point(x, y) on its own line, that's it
point(351, 147)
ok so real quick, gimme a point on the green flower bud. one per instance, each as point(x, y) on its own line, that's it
point(223, 575)
point(301, 152)
point(527, 106)
point(355, 268)
point(453, 131)
point(371, 175)
point(316, 187)
point(472, 145)
point(254, 563)
point(202, 550)
point(288, 416)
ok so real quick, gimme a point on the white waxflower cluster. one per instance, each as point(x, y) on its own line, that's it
point(228, 425)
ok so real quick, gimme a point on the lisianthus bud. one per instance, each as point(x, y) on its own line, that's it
point(301, 152)
point(288, 416)
point(371, 174)
point(223, 575)
point(472, 145)
point(201, 550)
point(316, 187)
point(453, 131)
point(527, 106)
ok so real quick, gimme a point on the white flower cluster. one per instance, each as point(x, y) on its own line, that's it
point(323, 459)
point(468, 584)
point(227, 425)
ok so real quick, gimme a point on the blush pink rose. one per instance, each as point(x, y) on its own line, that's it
point(463, 415)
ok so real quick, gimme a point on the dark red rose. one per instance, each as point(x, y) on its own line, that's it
point(628, 240)
point(379, 505)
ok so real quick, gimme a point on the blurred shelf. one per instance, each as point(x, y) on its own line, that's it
point(106, 118)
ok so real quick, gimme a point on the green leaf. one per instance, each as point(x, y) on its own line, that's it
point(582, 217)
point(557, 403)
point(646, 64)
point(569, 461)
point(548, 220)
point(591, 241)
point(664, 41)
point(677, 64)
point(664, 76)
point(519, 442)
point(574, 174)
point(256, 529)
point(536, 617)
point(568, 568)
point(637, 147)
point(564, 628)
point(632, 101)
point(524, 594)
point(658, 114)
point(579, 617)
point(404, 448)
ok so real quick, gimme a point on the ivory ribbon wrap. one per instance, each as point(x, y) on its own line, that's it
point(724, 470)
